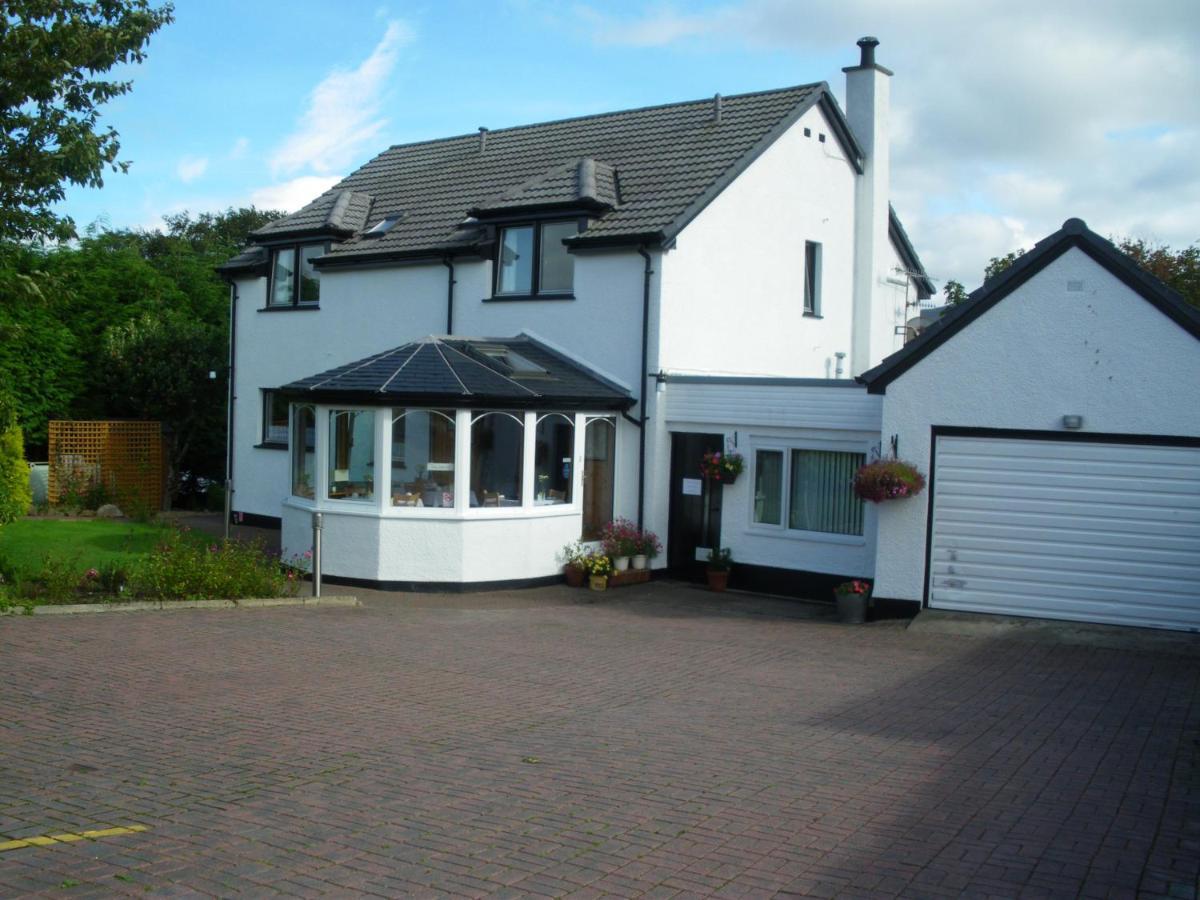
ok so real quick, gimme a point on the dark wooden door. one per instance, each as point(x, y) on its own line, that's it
point(685, 529)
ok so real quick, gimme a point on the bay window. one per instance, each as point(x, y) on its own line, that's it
point(533, 261)
point(304, 451)
point(295, 281)
point(497, 459)
point(351, 454)
point(809, 489)
point(554, 456)
point(423, 457)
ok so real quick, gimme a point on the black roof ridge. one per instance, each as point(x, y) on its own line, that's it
point(601, 115)
point(1074, 233)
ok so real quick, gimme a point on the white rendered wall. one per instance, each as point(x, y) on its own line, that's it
point(782, 416)
point(1043, 352)
point(733, 289)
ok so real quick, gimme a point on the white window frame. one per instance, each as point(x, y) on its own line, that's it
point(782, 530)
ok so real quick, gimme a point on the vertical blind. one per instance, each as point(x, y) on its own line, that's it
point(822, 496)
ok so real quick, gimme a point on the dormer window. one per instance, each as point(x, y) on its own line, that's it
point(294, 279)
point(533, 261)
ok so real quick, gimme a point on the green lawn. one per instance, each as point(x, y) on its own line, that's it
point(92, 542)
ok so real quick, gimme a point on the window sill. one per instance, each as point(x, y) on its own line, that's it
point(505, 298)
point(291, 307)
point(270, 445)
point(813, 315)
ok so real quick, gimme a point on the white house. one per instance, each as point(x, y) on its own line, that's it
point(1055, 416)
point(474, 350)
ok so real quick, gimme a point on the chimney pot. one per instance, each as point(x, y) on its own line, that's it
point(717, 109)
point(867, 45)
point(483, 133)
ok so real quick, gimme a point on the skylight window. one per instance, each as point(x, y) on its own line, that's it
point(515, 362)
point(384, 226)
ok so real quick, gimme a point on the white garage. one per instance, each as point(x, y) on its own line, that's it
point(1066, 529)
point(1055, 417)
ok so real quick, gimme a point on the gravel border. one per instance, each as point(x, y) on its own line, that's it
point(70, 609)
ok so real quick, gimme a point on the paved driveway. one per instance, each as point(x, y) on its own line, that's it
point(529, 744)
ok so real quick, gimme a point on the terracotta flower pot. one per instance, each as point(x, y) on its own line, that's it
point(574, 576)
point(718, 580)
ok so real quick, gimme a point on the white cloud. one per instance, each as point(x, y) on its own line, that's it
point(289, 196)
point(239, 148)
point(1009, 116)
point(343, 114)
point(190, 168)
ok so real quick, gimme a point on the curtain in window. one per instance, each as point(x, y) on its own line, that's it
point(822, 498)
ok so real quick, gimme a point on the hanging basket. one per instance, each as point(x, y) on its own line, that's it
point(888, 479)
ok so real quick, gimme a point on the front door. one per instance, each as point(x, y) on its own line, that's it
point(689, 496)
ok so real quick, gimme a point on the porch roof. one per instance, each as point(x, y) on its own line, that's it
point(514, 372)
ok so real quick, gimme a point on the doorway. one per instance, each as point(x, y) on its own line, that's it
point(690, 494)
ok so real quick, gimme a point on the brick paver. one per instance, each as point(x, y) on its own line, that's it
point(654, 744)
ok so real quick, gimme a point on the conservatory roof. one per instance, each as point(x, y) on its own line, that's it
point(519, 372)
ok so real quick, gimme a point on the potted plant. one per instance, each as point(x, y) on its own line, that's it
point(888, 479)
point(598, 567)
point(852, 598)
point(648, 546)
point(719, 561)
point(620, 539)
point(723, 468)
point(573, 555)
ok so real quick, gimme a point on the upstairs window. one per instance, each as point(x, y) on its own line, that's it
point(294, 279)
point(533, 261)
point(812, 278)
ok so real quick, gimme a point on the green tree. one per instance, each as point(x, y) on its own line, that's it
point(15, 492)
point(955, 292)
point(1179, 269)
point(51, 54)
point(157, 367)
point(998, 264)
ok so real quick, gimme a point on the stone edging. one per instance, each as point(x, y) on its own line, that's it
point(69, 609)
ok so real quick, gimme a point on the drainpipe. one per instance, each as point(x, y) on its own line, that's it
point(644, 375)
point(233, 296)
point(448, 262)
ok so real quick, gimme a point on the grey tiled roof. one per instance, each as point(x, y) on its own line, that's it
point(339, 211)
point(467, 372)
point(664, 162)
point(582, 182)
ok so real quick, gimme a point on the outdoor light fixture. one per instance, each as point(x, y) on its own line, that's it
point(1072, 422)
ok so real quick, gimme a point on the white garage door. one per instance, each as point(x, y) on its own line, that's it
point(1067, 530)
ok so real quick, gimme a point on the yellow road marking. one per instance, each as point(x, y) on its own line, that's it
point(45, 840)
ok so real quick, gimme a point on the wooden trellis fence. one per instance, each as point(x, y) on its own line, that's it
point(125, 457)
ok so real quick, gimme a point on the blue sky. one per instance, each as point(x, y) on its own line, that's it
point(1008, 116)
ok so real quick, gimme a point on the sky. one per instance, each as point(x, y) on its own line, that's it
point(1008, 116)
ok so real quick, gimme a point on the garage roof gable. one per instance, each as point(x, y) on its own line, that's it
point(1074, 233)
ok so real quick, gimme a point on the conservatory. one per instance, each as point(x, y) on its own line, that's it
point(451, 461)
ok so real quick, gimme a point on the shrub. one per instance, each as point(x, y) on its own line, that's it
point(16, 495)
point(888, 479)
point(181, 568)
point(57, 580)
